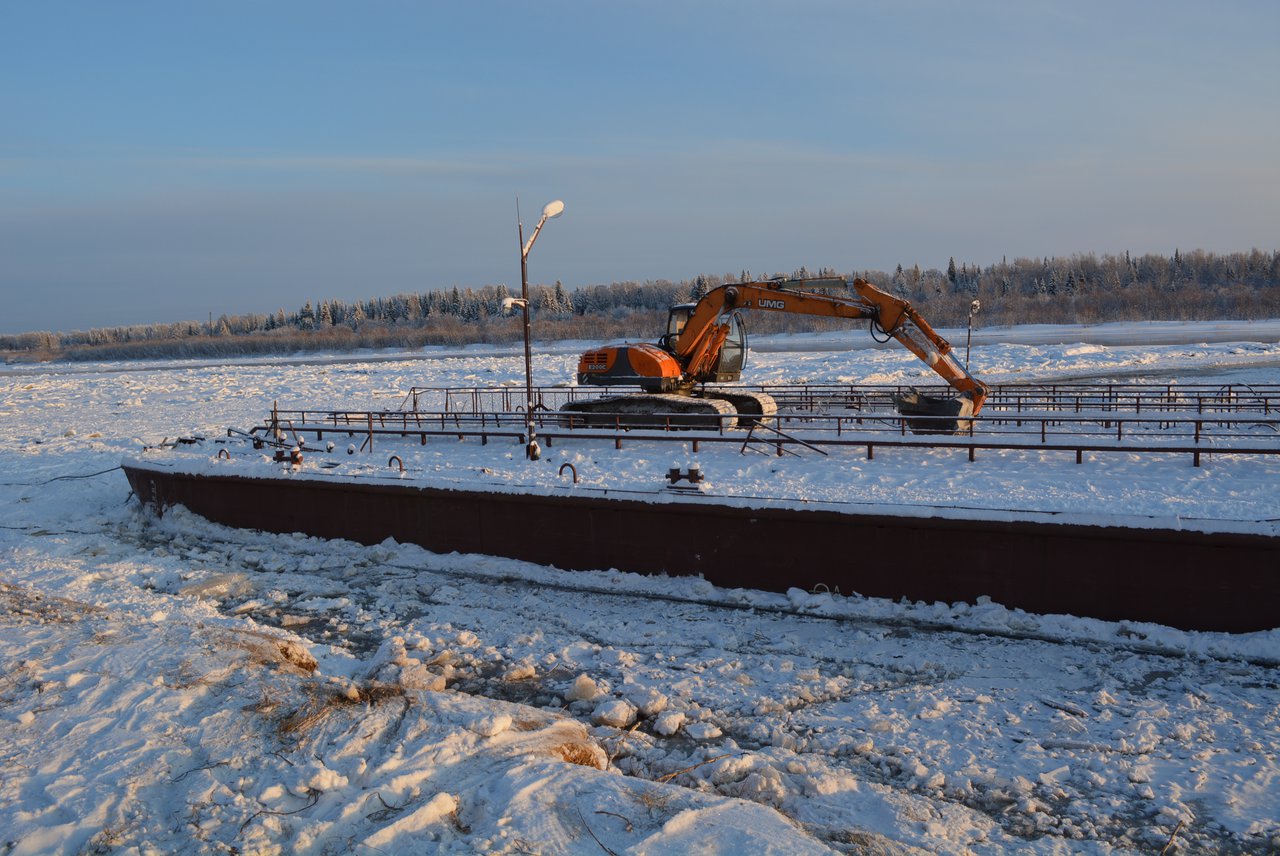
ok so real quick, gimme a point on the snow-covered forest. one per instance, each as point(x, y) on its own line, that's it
point(1084, 289)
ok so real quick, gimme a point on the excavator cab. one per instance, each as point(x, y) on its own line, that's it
point(733, 354)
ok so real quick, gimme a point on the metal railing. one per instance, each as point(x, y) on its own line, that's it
point(1263, 399)
point(1211, 432)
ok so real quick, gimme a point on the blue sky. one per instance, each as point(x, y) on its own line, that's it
point(162, 161)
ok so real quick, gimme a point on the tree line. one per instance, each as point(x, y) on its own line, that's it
point(1082, 288)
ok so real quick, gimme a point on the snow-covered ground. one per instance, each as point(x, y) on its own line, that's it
point(176, 685)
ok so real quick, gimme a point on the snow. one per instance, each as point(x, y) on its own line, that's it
point(174, 685)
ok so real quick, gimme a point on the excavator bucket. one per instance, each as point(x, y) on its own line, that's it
point(933, 414)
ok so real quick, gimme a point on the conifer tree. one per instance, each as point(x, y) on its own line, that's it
point(699, 289)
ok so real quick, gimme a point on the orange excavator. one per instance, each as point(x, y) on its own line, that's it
point(706, 342)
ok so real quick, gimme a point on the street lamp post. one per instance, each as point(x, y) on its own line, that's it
point(549, 212)
point(974, 308)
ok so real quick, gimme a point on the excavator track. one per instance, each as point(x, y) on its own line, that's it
point(653, 411)
point(751, 406)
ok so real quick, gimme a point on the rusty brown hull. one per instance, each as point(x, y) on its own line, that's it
point(1191, 580)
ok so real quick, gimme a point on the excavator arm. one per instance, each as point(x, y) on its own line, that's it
point(699, 345)
point(899, 319)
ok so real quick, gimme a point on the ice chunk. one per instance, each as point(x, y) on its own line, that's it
point(668, 723)
point(616, 713)
point(582, 689)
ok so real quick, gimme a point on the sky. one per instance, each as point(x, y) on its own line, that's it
point(166, 161)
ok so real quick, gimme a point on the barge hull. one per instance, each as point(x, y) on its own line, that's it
point(1186, 579)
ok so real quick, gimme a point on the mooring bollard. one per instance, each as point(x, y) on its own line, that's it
point(693, 475)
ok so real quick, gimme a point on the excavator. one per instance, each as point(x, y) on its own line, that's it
point(706, 343)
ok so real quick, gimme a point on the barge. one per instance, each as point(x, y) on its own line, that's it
point(1220, 577)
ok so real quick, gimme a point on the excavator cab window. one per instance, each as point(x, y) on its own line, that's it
point(733, 356)
point(675, 323)
point(678, 318)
